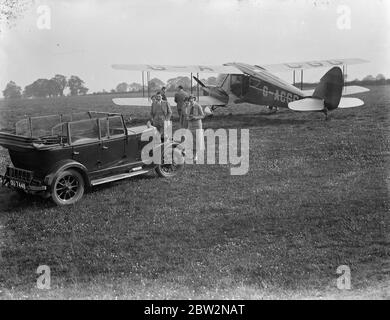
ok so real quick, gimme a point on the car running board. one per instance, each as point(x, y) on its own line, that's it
point(117, 177)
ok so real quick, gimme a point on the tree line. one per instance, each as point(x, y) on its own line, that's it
point(43, 88)
point(380, 79)
point(156, 84)
point(55, 86)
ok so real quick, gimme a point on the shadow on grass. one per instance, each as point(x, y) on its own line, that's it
point(251, 120)
point(142, 177)
point(13, 200)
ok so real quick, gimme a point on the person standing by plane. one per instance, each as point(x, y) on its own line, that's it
point(184, 114)
point(163, 94)
point(195, 116)
point(180, 97)
point(160, 113)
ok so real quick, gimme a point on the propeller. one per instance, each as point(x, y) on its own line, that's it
point(200, 82)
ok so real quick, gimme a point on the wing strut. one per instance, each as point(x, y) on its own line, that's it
point(345, 75)
point(148, 79)
point(294, 77)
point(197, 87)
point(143, 84)
point(191, 82)
point(344, 71)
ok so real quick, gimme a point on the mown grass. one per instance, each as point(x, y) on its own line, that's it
point(315, 197)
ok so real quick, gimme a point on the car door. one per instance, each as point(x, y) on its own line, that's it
point(84, 139)
point(112, 144)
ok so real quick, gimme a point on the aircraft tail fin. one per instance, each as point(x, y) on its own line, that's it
point(330, 88)
point(326, 95)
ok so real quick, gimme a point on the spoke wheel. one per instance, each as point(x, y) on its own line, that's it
point(67, 187)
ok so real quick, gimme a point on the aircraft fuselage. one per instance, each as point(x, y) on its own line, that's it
point(257, 86)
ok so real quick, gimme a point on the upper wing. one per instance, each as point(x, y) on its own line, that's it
point(145, 102)
point(168, 68)
point(311, 64)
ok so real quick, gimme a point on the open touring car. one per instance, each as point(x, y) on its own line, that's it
point(60, 156)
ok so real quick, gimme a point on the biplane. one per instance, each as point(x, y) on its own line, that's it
point(255, 84)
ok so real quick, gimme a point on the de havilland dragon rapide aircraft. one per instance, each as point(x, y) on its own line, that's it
point(241, 82)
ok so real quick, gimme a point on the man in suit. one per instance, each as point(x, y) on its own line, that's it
point(180, 96)
point(161, 111)
point(163, 94)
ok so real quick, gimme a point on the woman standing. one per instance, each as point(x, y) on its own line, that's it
point(183, 117)
point(195, 116)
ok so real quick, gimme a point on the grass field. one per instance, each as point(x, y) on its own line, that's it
point(316, 197)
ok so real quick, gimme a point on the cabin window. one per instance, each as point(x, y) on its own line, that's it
point(235, 85)
point(239, 84)
point(221, 79)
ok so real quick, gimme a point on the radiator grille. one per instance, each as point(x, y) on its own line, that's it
point(19, 174)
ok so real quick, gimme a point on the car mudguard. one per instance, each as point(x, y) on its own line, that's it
point(64, 165)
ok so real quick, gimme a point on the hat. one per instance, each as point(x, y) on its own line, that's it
point(191, 96)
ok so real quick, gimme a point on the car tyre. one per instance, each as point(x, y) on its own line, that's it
point(171, 170)
point(67, 187)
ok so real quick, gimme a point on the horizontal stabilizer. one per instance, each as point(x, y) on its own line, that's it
point(347, 91)
point(307, 104)
point(350, 103)
point(313, 104)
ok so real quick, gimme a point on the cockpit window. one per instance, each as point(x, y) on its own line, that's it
point(236, 84)
point(221, 79)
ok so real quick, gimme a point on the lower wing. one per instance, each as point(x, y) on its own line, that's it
point(145, 102)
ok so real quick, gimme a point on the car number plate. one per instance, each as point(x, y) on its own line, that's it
point(17, 184)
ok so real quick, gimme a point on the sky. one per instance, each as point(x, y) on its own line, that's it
point(85, 37)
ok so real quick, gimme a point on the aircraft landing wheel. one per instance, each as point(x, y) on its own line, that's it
point(174, 168)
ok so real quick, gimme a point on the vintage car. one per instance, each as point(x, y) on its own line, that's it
point(61, 156)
